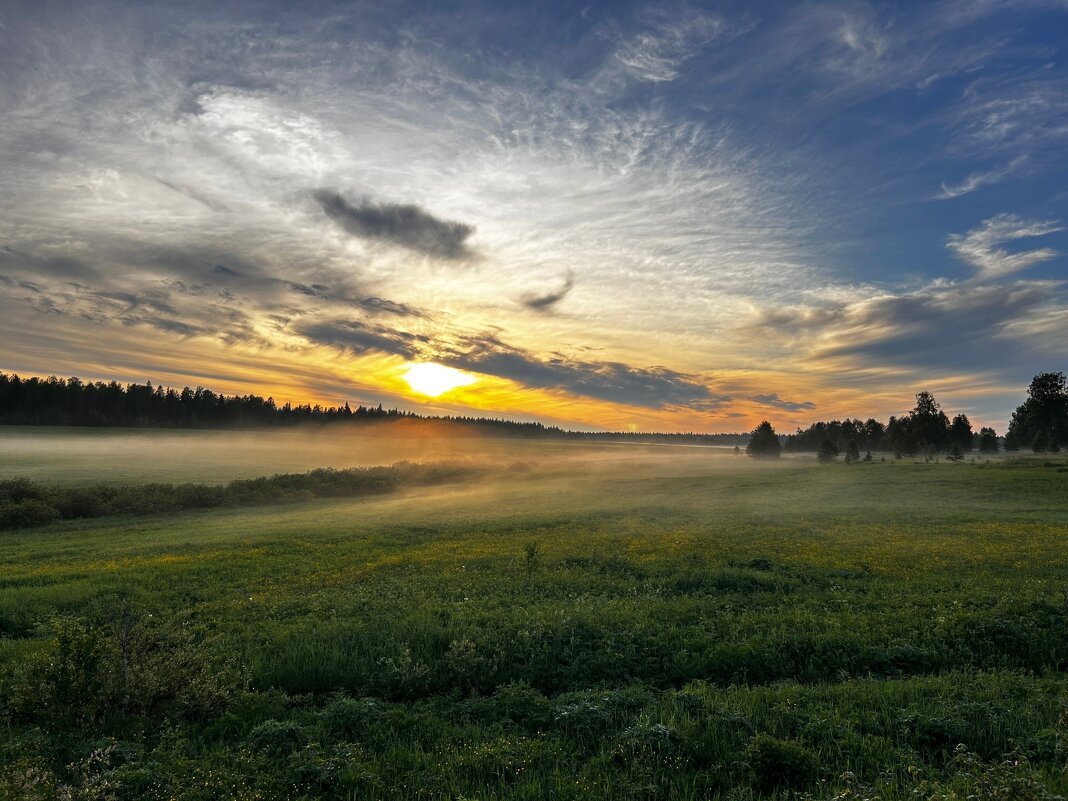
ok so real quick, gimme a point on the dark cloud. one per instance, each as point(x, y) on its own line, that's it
point(170, 326)
point(406, 225)
point(371, 305)
point(774, 400)
point(358, 337)
point(653, 387)
point(547, 302)
point(962, 327)
point(54, 266)
point(222, 269)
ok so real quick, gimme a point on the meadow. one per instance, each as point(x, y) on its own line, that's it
point(568, 621)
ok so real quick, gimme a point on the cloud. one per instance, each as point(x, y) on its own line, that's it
point(406, 225)
point(547, 302)
point(654, 387)
point(357, 337)
point(976, 180)
point(979, 247)
point(671, 36)
point(941, 326)
point(371, 305)
point(775, 401)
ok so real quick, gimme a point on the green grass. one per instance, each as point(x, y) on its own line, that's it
point(595, 622)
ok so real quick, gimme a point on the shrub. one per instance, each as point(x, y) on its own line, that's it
point(351, 718)
point(276, 737)
point(26, 514)
point(15, 490)
point(775, 763)
point(520, 704)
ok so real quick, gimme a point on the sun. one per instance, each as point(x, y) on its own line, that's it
point(428, 378)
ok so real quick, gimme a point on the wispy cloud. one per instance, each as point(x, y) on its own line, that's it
point(672, 35)
point(776, 402)
point(980, 246)
point(977, 180)
point(549, 300)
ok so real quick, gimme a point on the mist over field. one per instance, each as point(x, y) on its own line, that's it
point(85, 456)
point(542, 400)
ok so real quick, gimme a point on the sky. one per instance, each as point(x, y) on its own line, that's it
point(671, 216)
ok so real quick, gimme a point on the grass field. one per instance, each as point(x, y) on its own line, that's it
point(577, 622)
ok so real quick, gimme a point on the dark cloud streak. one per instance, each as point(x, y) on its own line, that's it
point(653, 387)
point(544, 303)
point(776, 402)
point(406, 225)
point(357, 337)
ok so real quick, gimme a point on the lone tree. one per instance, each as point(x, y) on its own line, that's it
point(828, 452)
point(960, 433)
point(852, 451)
point(764, 442)
point(928, 423)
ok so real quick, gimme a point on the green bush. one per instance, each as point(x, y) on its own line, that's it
point(276, 737)
point(26, 514)
point(774, 764)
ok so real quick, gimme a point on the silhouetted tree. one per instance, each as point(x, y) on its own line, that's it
point(852, 451)
point(764, 442)
point(988, 440)
point(928, 423)
point(960, 433)
point(1044, 412)
point(828, 452)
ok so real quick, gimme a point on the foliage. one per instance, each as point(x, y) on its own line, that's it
point(960, 433)
point(1041, 421)
point(764, 442)
point(988, 440)
point(828, 452)
point(776, 763)
point(24, 504)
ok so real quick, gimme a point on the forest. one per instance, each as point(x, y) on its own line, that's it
point(52, 401)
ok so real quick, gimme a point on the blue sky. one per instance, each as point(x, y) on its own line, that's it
point(645, 215)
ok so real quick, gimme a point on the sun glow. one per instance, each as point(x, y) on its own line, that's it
point(432, 380)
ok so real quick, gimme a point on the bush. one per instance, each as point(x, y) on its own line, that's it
point(26, 514)
point(276, 737)
point(775, 763)
point(16, 490)
point(88, 672)
point(24, 503)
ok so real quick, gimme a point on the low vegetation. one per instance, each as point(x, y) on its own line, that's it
point(683, 626)
point(24, 503)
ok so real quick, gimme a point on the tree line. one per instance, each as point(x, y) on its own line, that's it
point(56, 401)
point(1040, 424)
